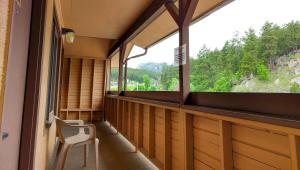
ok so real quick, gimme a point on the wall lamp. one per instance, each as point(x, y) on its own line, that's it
point(69, 33)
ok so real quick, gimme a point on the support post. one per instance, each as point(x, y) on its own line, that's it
point(182, 17)
point(186, 11)
point(226, 145)
point(121, 59)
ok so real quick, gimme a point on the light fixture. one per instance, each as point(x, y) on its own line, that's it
point(70, 34)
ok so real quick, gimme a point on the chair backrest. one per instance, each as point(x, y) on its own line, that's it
point(59, 125)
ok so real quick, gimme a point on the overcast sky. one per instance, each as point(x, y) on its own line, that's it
point(214, 30)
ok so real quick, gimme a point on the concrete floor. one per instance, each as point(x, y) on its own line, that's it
point(116, 153)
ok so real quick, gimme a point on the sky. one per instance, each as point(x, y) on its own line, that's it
point(214, 30)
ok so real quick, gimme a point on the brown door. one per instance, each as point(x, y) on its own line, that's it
point(15, 86)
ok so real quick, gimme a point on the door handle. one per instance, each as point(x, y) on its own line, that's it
point(4, 135)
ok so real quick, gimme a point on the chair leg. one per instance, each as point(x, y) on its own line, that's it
point(59, 147)
point(62, 157)
point(97, 154)
point(86, 154)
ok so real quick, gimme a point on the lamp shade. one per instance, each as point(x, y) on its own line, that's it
point(70, 37)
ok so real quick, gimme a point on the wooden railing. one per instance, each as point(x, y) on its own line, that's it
point(173, 137)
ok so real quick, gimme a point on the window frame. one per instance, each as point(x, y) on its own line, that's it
point(53, 72)
point(274, 108)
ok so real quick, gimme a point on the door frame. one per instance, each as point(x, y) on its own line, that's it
point(32, 87)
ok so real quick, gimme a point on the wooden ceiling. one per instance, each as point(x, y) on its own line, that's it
point(164, 25)
point(102, 18)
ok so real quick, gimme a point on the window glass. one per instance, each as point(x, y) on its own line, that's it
point(53, 72)
point(114, 72)
point(154, 71)
point(247, 46)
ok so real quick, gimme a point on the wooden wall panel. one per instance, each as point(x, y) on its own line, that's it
point(85, 116)
point(120, 115)
point(98, 86)
point(126, 119)
point(83, 89)
point(73, 115)
point(267, 149)
point(86, 84)
point(136, 123)
point(177, 160)
point(65, 83)
point(176, 138)
point(74, 84)
point(146, 128)
point(159, 134)
point(206, 142)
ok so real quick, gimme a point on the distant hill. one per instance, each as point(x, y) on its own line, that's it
point(152, 66)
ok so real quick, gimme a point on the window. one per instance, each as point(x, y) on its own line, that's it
point(247, 46)
point(114, 72)
point(53, 72)
point(154, 71)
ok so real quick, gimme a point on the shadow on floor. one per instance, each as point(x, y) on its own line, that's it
point(116, 153)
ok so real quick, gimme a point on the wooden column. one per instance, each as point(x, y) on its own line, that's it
point(151, 132)
point(121, 59)
point(182, 17)
point(140, 125)
point(295, 151)
point(167, 142)
point(188, 141)
point(226, 145)
point(131, 120)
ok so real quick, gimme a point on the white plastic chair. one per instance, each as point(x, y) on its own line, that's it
point(66, 143)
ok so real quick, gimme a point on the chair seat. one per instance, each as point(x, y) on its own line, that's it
point(79, 138)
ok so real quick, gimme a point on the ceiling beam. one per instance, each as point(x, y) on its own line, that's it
point(173, 10)
point(155, 9)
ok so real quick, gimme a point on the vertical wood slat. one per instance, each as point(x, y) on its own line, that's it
point(188, 140)
point(295, 151)
point(226, 145)
point(151, 131)
point(167, 142)
point(131, 121)
point(140, 125)
point(92, 91)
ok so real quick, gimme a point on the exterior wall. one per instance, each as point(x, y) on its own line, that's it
point(173, 137)
point(14, 83)
point(45, 137)
point(6, 12)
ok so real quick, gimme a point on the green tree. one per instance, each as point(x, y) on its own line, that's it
point(269, 44)
point(263, 72)
point(147, 82)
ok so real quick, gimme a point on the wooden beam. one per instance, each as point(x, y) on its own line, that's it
point(151, 132)
point(295, 151)
point(188, 140)
point(226, 145)
point(155, 9)
point(121, 59)
point(140, 125)
point(186, 9)
point(125, 77)
point(167, 142)
point(173, 10)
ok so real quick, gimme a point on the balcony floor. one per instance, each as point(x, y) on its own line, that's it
point(115, 153)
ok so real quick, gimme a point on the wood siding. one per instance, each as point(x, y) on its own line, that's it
point(82, 93)
point(177, 138)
